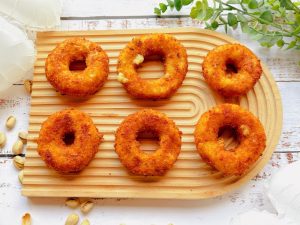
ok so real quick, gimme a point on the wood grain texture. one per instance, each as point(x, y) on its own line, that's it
point(47, 211)
point(17, 102)
point(282, 64)
point(105, 177)
point(120, 8)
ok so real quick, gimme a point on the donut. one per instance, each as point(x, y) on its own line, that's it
point(231, 69)
point(128, 148)
point(77, 83)
point(68, 141)
point(132, 56)
point(250, 133)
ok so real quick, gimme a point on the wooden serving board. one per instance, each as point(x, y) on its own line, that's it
point(190, 178)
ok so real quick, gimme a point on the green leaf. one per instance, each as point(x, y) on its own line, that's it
point(194, 13)
point(209, 14)
point(280, 43)
point(266, 17)
point(186, 2)
point(157, 11)
point(297, 19)
point(254, 35)
point(245, 1)
point(292, 45)
point(245, 27)
point(233, 2)
point(235, 26)
point(232, 20)
point(286, 4)
point(171, 4)
point(253, 4)
point(198, 4)
point(163, 7)
point(269, 41)
point(204, 4)
point(260, 4)
point(275, 7)
point(241, 17)
point(214, 25)
point(201, 11)
point(177, 4)
point(296, 31)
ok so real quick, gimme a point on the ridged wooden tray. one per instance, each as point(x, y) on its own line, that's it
point(190, 178)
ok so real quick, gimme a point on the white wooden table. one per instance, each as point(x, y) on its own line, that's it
point(127, 14)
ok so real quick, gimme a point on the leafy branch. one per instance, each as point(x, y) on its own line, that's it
point(270, 22)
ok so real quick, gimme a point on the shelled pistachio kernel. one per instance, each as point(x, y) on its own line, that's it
point(86, 206)
point(19, 162)
point(26, 219)
point(28, 86)
point(23, 136)
point(122, 79)
point(138, 59)
point(72, 219)
point(21, 176)
point(10, 122)
point(2, 139)
point(72, 202)
point(17, 147)
point(85, 222)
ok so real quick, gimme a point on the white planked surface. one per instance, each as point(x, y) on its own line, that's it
point(110, 15)
point(116, 8)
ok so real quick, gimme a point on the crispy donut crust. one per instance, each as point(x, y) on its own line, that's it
point(229, 84)
point(77, 83)
point(251, 135)
point(175, 63)
point(128, 148)
point(68, 158)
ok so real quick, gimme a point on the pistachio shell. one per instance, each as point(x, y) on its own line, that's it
point(28, 86)
point(72, 202)
point(21, 175)
point(23, 136)
point(18, 147)
point(85, 222)
point(26, 219)
point(86, 206)
point(10, 122)
point(2, 139)
point(19, 162)
point(72, 219)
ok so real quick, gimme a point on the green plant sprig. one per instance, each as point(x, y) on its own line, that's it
point(270, 22)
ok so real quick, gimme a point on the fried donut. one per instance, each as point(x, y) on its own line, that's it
point(127, 146)
point(250, 132)
point(77, 83)
point(175, 62)
point(231, 69)
point(68, 141)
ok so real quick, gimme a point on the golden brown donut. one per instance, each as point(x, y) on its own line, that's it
point(231, 69)
point(127, 146)
point(77, 83)
point(68, 141)
point(251, 136)
point(175, 62)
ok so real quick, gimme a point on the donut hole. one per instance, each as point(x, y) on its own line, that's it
point(69, 138)
point(152, 67)
point(148, 140)
point(231, 68)
point(230, 136)
point(77, 65)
